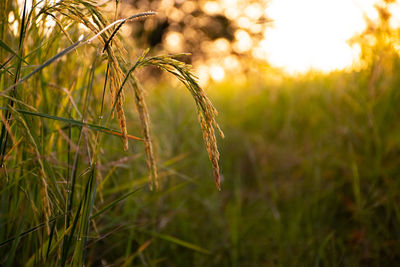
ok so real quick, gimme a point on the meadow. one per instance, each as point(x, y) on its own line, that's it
point(309, 164)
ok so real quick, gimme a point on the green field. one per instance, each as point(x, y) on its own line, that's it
point(310, 165)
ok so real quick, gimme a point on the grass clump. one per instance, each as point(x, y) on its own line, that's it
point(52, 141)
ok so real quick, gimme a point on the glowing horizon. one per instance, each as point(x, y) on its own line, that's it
point(304, 35)
point(313, 34)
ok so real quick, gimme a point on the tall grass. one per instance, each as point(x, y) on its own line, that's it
point(313, 169)
point(57, 122)
point(310, 169)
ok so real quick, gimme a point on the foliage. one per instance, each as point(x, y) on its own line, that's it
point(51, 161)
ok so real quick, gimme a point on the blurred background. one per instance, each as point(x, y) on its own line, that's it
point(308, 96)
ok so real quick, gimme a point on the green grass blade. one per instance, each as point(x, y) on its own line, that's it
point(112, 204)
point(68, 241)
point(50, 239)
point(85, 221)
point(178, 242)
point(15, 241)
point(74, 122)
point(3, 66)
point(9, 49)
point(22, 234)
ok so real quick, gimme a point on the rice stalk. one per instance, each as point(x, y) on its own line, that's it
point(115, 83)
point(206, 111)
point(52, 147)
point(148, 144)
point(76, 13)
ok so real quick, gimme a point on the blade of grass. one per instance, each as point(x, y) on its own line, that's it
point(50, 239)
point(85, 221)
point(68, 239)
point(24, 233)
point(3, 66)
point(177, 241)
point(15, 241)
point(4, 132)
point(9, 49)
point(91, 186)
point(115, 202)
point(75, 122)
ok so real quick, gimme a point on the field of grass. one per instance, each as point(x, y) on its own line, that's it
point(311, 173)
point(310, 166)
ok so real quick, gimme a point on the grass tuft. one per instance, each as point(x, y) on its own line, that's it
point(54, 145)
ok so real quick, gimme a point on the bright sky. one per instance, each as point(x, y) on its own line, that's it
point(306, 34)
point(313, 34)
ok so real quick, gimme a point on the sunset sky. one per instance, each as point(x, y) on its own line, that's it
point(303, 35)
point(313, 34)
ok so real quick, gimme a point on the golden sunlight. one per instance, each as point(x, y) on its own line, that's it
point(295, 36)
point(313, 34)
